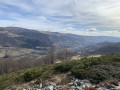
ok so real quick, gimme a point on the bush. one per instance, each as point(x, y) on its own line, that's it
point(104, 72)
point(32, 74)
point(99, 73)
point(81, 70)
point(95, 69)
point(65, 66)
point(98, 69)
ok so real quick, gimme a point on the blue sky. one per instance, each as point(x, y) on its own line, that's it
point(83, 17)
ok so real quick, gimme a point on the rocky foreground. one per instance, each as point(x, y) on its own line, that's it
point(75, 84)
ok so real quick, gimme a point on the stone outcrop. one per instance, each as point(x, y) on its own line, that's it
point(75, 84)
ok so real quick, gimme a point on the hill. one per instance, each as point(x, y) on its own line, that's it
point(12, 38)
point(103, 48)
point(21, 39)
point(97, 69)
point(61, 40)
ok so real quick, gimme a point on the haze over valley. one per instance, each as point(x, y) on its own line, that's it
point(20, 42)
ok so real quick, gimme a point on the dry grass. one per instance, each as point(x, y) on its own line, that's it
point(114, 82)
point(21, 86)
point(89, 88)
point(19, 52)
point(61, 79)
point(65, 88)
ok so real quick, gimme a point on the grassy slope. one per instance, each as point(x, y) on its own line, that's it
point(14, 52)
point(96, 69)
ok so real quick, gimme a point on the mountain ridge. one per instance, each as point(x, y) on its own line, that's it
point(41, 40)
point(60, 40)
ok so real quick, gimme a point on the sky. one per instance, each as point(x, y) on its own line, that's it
point(82, 17)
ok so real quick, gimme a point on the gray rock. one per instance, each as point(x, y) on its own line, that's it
point(72, 88)
point(45, 85)
point(86, 81)
point(75, 84)
point(70, 84)
point(79, 88)
point(50, 87)
point(108, 86)
point(102, 88)
point(78, 83)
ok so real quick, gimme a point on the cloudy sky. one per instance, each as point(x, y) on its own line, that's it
point(84, 17)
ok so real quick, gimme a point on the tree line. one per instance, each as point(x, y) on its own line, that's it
point(8, 65)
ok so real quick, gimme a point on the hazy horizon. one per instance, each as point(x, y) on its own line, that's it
point(88, 17)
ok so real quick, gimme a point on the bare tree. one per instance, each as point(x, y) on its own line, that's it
point(64, 54)
point(11, 65)
point(51, 55)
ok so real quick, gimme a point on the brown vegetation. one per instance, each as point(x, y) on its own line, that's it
point(89, 88)
point(8, 65)
point(11, 65)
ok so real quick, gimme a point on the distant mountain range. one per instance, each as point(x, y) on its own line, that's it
point(104, 48)
point(19, 37)
point(42, 40)
point(15, 36)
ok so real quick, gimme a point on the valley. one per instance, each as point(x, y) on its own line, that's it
point(18, 42)
point(31, 58)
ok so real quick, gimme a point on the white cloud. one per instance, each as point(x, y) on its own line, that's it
point(91, 29)
point(97, 33)
point(71, 16)
point(21, 4)
point(68, 29)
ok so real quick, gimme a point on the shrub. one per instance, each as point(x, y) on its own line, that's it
point(104, 72)
point(32, 74)
point(98, 69)
point(81, 70)
point(65, 66)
